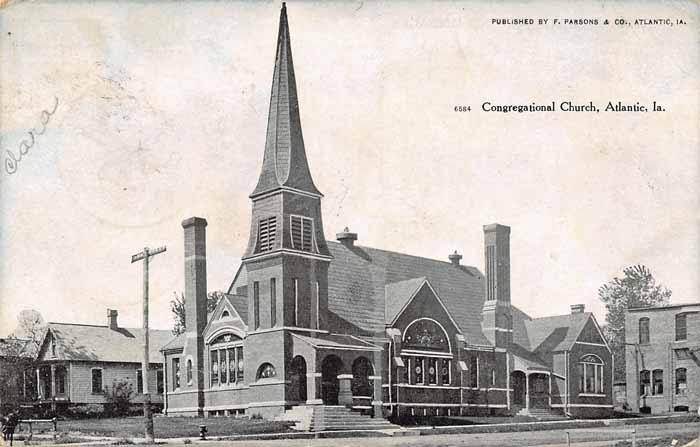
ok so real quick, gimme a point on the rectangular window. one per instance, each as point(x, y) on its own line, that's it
point(681, 327)
point(239, 364)
point(214, 368)
point(644, 383)
point(273, 302)
point(231, 357)
point(295, 309)
point(267, 228)
point(159, 381)
point(445, 372)
point(96, 381)
point(256, 304)
point(223, 367)
point(658, 382)
point(418, 371)
point(474, 372)
point(139, 381)
point(432, 371)
point(176, 373)
point(302, 233)
point(643, 331)
point(681, 382)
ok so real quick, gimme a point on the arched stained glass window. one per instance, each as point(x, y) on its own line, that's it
point(425, 334)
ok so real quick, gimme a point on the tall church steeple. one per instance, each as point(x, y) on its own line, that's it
point(284, 163)
point(287, 257)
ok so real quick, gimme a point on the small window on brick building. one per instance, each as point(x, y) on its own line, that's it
point(159, 381)
point(681, 381)
point(256, 305)
point(643, 331)
point(176, 373)
point(267, 228)
point(681, 327)
point(188, 371)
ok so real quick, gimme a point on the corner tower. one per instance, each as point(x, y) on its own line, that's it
point(287, 256)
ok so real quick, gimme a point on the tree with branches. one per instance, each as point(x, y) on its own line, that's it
point(177, 306)
point(636, 288)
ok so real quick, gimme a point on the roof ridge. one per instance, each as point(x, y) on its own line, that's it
point(404, 254)
point(104, 326)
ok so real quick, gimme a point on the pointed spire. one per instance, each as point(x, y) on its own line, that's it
point(284, 163)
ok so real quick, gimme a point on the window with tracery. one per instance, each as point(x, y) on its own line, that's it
point(425, 335)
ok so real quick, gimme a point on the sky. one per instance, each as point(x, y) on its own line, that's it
point(161, 111)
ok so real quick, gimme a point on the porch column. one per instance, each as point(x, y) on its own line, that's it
point(550, 391)
point(527, 391)
point(53, 387)
point(38, 383)
point(377, 398)
point(345, 390)
point(53, 380)
point(313, 388)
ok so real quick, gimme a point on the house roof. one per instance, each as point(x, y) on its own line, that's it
point(337, 341)
point(178, 342)
point(366, 284)
point(556, 333)
point(100, 343)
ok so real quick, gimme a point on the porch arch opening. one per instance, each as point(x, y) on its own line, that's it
point(330, 385)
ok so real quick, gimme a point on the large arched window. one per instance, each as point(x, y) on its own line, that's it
point(426, 353)
point(226, 360)
point(643, 331)
point(590, 371)
point(426, 334)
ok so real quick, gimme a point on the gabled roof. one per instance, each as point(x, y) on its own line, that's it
point(557, 333)
point(284, 162)
point(240, 304)
point(365, 283)
point(81, 342)
point(398, 294)
point(176, 343)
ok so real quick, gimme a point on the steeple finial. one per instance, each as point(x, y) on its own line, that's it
point(284, 162)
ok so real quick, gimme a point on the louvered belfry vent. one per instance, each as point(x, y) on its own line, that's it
point(267, 229)
point(302, 233)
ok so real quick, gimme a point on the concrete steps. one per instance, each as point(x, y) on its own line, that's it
point(331, 417)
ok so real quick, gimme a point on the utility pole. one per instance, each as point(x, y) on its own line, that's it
point(145, 255)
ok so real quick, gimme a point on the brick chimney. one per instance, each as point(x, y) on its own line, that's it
point(455, 258)
point(497, 320)
point(578, 308)
point(112, 315)
point(195, 305)
point(346, 237)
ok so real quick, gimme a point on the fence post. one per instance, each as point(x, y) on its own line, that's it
point(55, 431)
point(634, 437)
point(568, 439)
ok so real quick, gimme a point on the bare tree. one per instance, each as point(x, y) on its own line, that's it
point(177, 306)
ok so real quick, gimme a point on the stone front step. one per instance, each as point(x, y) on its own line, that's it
point(326, 417)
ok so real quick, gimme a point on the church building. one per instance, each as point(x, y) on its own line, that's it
point(309, 322)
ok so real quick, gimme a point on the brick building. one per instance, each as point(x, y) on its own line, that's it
point(662, 358)
point(311, 322)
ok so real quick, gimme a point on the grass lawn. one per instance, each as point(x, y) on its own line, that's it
point(171, 427)
point(661, 442)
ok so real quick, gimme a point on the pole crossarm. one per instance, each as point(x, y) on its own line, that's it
point(147, 252)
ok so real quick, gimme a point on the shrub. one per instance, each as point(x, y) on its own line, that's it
point(119, 397)
point(85, 411)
